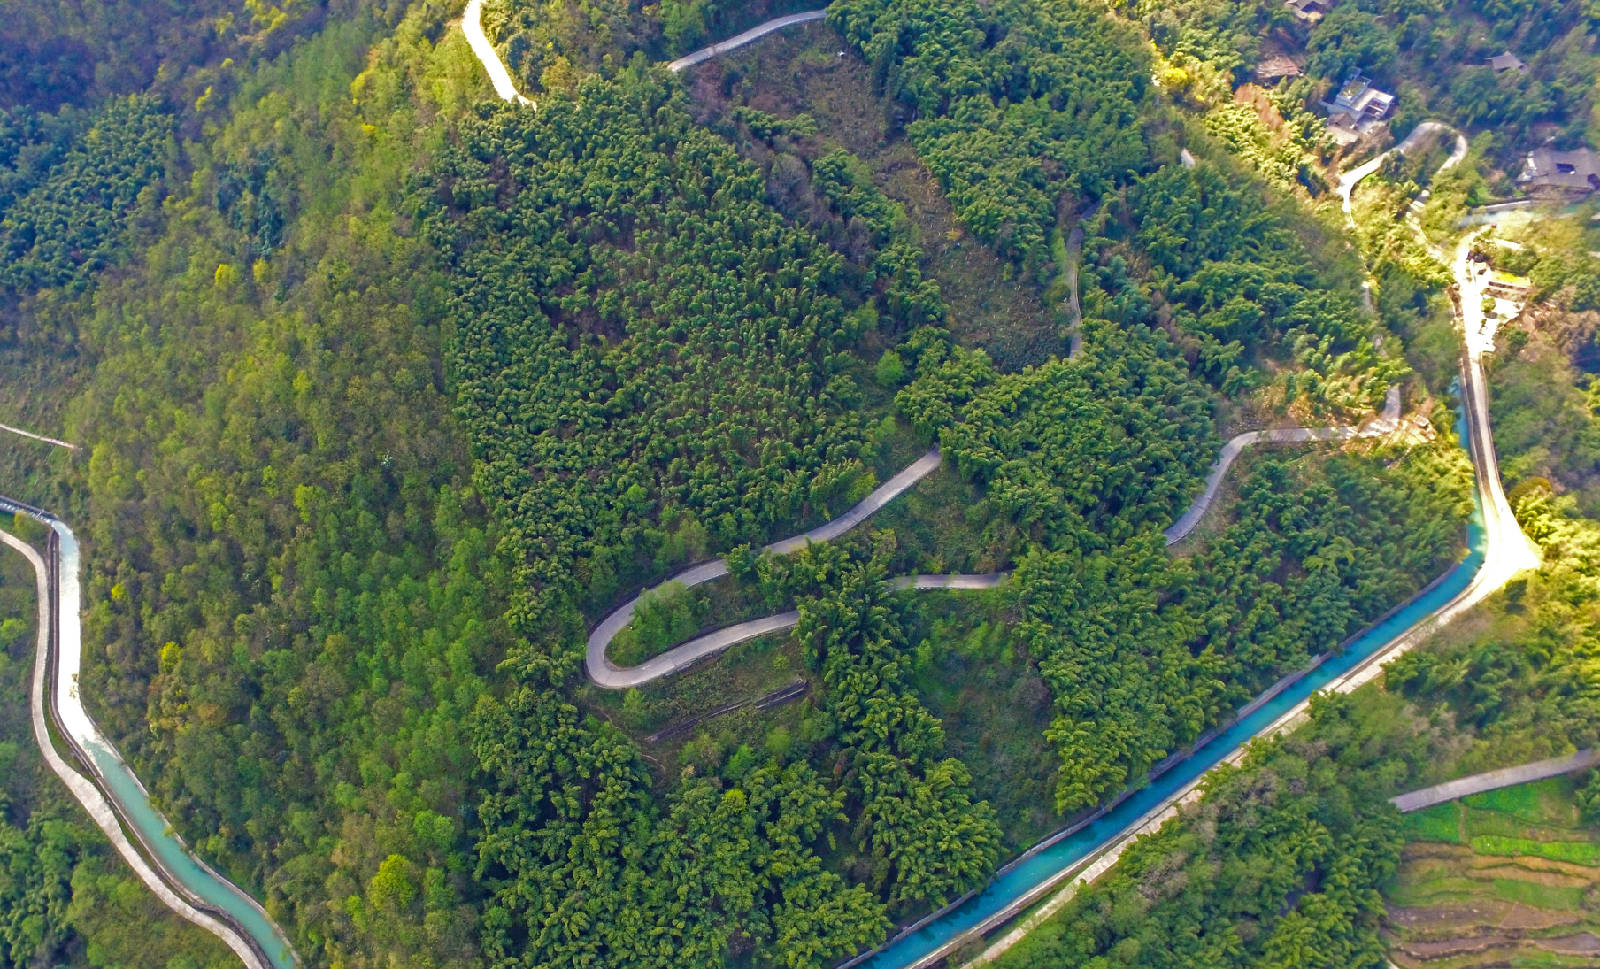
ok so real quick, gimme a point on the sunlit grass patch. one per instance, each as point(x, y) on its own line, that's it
point(1573, 852)
point(1442, 822)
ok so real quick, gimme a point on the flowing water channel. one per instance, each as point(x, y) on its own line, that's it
point(1018, 881)
point(118, 779)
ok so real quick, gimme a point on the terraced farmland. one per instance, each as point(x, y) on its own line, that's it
point(1510, 877)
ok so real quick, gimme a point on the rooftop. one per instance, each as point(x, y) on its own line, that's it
point(1507, 62)
point(1577, 170)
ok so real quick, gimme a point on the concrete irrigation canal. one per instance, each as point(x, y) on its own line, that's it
point(103, 783)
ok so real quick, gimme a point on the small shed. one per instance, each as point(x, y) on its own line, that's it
point(1310, 11)
point(1276, 68)
point(1507, 62)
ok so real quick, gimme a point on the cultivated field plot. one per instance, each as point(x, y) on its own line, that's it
point(1509, 877)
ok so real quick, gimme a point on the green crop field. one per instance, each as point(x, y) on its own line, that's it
point(1507, 877)
point(1442, 823)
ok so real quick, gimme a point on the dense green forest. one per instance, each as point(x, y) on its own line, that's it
point(70, 183)
point(387, 392)
point(630, 304)
point(83, 53)
point(293, 591)
point(1282, 862)
point(1023, 111)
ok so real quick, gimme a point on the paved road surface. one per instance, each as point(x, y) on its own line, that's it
point(472, 26)
point(1384, 423)
point(1350, 179)
point(971, 583)
point(37, 437)
point(613, 677)
point(1074, 306)
point(506, 88)
point(739, 40)
point(1494, 780)
point(607, 674)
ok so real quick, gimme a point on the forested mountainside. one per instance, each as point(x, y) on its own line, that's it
point(79, 54)
point(1291, 859)
point(387, 392)
point(1513, 684)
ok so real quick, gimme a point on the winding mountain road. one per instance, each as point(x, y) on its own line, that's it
point(1507, 552)
point(607, 674)
point(610, 676)
point(1350, 179)
point(1385, 423)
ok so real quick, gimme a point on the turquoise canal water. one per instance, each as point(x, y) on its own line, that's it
point(196, 878)
point(126, 790)
point(1029, 874)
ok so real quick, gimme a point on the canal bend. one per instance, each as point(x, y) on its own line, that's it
point(102, 781)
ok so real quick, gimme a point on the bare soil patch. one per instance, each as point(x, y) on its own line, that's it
point(811, 71)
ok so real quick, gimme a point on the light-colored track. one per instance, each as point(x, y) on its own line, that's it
point(1494, 780)
point(739, 40)
point(607, 674)
point(38, 437)
point(472, 27)
point(506, 88)
point(613, 677)
point(1350, 179)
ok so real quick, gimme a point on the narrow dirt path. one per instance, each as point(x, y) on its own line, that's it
point(38, 437)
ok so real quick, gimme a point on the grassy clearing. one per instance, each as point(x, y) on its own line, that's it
point(1555, 897)
point(1441, 823)
point(945, 525)
point(1540, 802)
point(994, 706)
point(745, 672)
point(1573, 852)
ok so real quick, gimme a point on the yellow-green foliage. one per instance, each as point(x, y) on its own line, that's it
point(1576, 852)
point(1442, 823)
